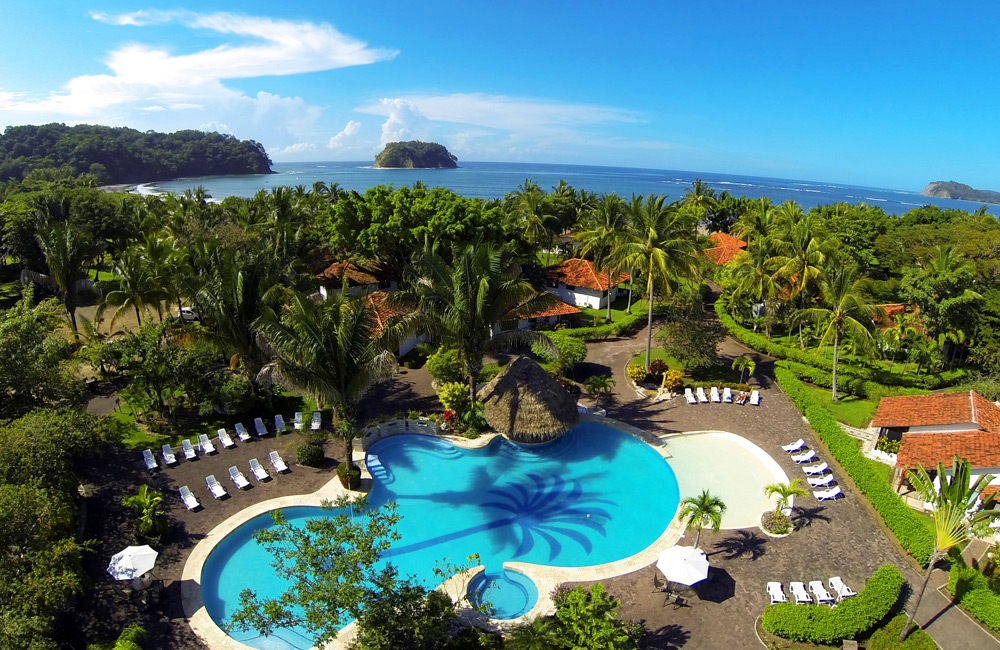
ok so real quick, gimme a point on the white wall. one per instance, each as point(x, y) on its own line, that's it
point(580, 297)
point(945, 428)
point(410, 343)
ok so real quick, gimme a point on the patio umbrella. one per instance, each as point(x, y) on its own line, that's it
point(131, 563)
point(683, 564)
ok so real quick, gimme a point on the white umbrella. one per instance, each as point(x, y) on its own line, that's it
point(684, 564)
point(133, 562)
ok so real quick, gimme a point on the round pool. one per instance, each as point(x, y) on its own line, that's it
point(593, 496)
point(507, 594)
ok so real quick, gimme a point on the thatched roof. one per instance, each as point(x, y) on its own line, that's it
point(526, 404)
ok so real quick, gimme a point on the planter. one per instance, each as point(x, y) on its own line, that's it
point(771, 513)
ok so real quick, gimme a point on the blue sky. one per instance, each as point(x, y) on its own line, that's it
point(887, 94)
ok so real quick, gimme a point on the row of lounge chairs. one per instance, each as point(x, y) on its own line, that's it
point(225, 440)
point(816, 588)
point(694, 397)
point(217, 490)
point(818, 475)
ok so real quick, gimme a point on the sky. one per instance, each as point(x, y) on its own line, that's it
point(883, 94)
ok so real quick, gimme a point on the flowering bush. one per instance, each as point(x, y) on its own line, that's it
point(454, 395)
point(657, 367)
point(636, 372)
point(672, 379)
point(449, 417)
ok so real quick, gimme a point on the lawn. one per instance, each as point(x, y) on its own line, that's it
point(618, 313)
point(720, 372)
point(899, 368)
point(852, 411)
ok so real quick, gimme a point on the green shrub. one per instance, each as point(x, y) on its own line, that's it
point(888, 637)
point(350, 476)
point(657, 366)
point(985, 606)
point(963, 579)
point(444, 366)
point(636, 372)
point(672, 379)
point(235, 394)
point(888, 445)
point(827, 626)
point(309, 455)
point(489, 371)
point(454, 396)
point(569, 350)
point(869, 476)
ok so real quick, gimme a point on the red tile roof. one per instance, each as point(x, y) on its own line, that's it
point(560, 308)
point(925, 410)
point(980, 446)
point(580, 273)
point(384, 310)
point(726, 248)
point(355, 274)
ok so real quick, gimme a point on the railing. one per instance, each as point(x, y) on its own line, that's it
point(373, 433)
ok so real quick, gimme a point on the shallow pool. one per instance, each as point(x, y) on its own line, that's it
point(593, 496)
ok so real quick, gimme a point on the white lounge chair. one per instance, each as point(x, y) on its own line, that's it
point(795, 446)
point(317, 421)
point(755, 397)
point(689, 396)
point(168, 455)
point(815, 470)
point(225, 439)
point(279, 424)
point(257, 470)
point(702, 397)
point(206, 445)
point(216, 488)
point(727, 395)
point(188, 450)
point(804, 457)
point(714, 392)
point(838, 587)
point(277, 463)
point(819, 591)
point(189, 501)
point(149, 459)
point(821, 481)
point(776, 593)
point(242, 432)
point(258, 424)
point(824, 495)
point(298, 421)
point(239, 480)
point(799, 593)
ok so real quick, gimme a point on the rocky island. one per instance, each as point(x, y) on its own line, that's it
point(415, 155)
point(960, 191)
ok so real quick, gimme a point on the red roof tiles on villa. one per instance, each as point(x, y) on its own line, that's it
point(559, 309)
point(981, 448)
point(355, 274)
point(578, 272)
point(925, 410)
point(726, 248)
point(384, 310)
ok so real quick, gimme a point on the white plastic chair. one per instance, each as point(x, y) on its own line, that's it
point(239, 480)
point(821, 481)
point(804, 457)
point(168, 455)
point(799, 593)
point(258, 472)
point(279, 424)
point(689, 396)
point(298, 421)
point(824, 495)
point(317, 421)
point(755, 397)
point(216, 488)
point(258, 424)
point(727, 395)
point(702, 397)
point(777, 594)
point(276, 462)
point(206, 445)
point(225, 439)
point(189, 451)
point(714, 392)
point(149, 459)
point(820, 592)
point(814, 470)
point(795, 446)
point(242, 432)
point(190, 502)
point(838, 587)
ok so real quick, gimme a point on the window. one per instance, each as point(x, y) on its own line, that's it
point(570, 287)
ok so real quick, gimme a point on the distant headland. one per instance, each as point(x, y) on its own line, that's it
point(953, 190)
point(415, 155)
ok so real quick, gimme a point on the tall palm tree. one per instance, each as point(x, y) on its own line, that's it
point(529, 211)
point(660, 243)
point(138, 288)
point(69, 253)
point(952, 499)
point(757, 223)
point(148, 503)
point(601, 234)
point(743, 364)
point(701, 199)
point(845, 311)
point(462, 303)
point(702, 510)
point(333, 350)
point(753, 274)
point(785, 492)
point(801, 254)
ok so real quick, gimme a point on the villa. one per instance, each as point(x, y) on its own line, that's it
point(934, 428)
point(384, 312)
point(726, 248)
point(578, 283)
point(544, 316)
point(359, 279)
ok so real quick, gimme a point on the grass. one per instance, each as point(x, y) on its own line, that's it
point(618, 313)
point(900, 367)
point(720, 372)
point(852, 411)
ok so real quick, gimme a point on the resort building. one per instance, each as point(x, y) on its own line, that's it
point(726, 248)
point(385, 312)
point(578, 283)
point(543, 316)
point(934, 428)
point(359, 279)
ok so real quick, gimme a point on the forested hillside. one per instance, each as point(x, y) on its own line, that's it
point(123, 155)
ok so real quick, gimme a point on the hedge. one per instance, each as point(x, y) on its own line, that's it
point(826, 625)
point(623, 326)
point(972, 590)
point(910, 528)
point(859, 387)
point(845, 371)
point(888, 637)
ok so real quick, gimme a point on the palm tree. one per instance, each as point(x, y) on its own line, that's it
point(599, 385)
point(846, 311)
point(148, 504)
point(702, 510)
point(69, 252)
point(601, 234)
point(952, 526)
point(528, 209)
point(757, 224)
point(753, 273)
point(333, 350)
point(701, 199)
point(744, 364)
point(541, 633)
point(660, 243)
point(138, 288)
point(462, 304)
point(800, 255)
point(785, 492)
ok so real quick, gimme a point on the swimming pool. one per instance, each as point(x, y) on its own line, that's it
point(593, 496)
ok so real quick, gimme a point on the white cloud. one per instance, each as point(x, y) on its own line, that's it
point(218, 127)
point(293, 149)
point(404, 120)
point(340, 140)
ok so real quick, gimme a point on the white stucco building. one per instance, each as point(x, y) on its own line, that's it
point(578, 283)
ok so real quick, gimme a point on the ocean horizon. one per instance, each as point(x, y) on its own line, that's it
point(487, 180)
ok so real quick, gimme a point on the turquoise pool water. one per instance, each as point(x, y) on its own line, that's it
point(593, 496)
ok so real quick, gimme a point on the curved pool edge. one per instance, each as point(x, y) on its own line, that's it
point(546, 578)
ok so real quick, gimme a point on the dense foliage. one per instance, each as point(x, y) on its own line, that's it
point(123, 155)
point(888, 637)
point(827, 626)
point(415, 155)
point(973, 590)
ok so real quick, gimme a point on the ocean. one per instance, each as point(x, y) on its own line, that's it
point(494, 180)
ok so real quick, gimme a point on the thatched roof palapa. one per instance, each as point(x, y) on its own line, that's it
point(526, 404)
